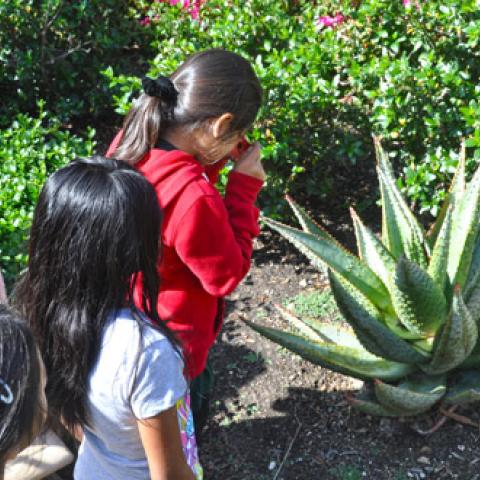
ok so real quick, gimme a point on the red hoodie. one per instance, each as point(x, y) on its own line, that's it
point(207, 244)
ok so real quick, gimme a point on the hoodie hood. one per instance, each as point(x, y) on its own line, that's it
point(172, 169)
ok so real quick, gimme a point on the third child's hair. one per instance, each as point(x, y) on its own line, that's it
point(94, 233)
point(20, 410)
point(207, 85)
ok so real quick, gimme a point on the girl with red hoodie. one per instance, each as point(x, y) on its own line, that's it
point(178, 134)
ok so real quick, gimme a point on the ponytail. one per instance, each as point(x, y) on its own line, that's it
point(206, 86)
point(147, 118)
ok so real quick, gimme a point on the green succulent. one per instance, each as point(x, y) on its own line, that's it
point(411, 299)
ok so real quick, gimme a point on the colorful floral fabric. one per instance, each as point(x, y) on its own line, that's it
point(187, 433)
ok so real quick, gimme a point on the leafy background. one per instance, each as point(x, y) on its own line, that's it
point(408, 73)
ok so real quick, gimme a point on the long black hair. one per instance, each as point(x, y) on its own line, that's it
point(20, 409)
point(94, 235)
point(205, 86)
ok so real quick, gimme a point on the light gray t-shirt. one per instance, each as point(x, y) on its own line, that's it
point(111, 448)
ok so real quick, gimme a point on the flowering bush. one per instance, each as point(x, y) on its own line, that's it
point(333, 73)
point(336, 72)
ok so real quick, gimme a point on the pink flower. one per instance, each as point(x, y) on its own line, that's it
point(195, 12)
point(328, 21)
point(408, 4)
point(191, 6)
point(145, 21)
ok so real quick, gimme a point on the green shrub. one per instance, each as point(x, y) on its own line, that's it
point(408, 74)
point(55, 49)
point(30, 149)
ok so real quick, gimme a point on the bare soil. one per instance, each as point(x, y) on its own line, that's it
point(276, 416)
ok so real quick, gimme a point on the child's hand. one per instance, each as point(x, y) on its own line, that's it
point(250, 163)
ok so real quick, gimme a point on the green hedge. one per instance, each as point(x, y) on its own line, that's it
point(55, 50)
point(409, 74)
point(30, 149)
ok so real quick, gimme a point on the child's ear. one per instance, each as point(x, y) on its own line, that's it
point(221, 125)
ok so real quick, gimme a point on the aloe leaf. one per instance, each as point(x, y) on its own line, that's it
point(354, 362)
point(369, 405)
point(465, 389)
point(367, 324)
point(415, 252)
point(454, 195)
point(418, 301)
point(396, 327)
point(416, 394)
point(465, 230)
point(403, 235)
point(298, 323)
point(437, 268)
point(399, 225)
point(322, 251)
point(457, 339)
point(473, 303)
point(321, 331)
point(394, 225)
point(372, 251)
point(391, 237)
point(474, 272)
point(306, 221)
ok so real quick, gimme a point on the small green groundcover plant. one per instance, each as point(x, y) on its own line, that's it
point(30, 149)
point(411, 299)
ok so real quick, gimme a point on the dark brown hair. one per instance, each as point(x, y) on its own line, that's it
point(209, 84)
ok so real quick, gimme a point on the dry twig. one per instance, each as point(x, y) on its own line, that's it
point(459, 418)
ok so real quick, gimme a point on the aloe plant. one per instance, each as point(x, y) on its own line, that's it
point(411, 300)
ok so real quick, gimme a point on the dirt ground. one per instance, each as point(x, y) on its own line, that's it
point(275, 416)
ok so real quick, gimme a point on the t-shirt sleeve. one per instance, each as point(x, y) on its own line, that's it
point(159, 381)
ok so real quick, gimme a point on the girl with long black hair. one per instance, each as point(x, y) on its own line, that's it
point(113, 370)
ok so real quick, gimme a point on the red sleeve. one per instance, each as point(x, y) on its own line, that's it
point(213, 171)
point(114, 144)
point(215, 237)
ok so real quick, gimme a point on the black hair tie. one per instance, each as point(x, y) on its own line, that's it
point(162, 88)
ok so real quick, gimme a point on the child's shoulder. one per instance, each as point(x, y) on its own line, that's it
point(175, 173)
point(124, 329)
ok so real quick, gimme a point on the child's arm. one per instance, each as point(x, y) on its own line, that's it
point(214, 238)
point(160, 437)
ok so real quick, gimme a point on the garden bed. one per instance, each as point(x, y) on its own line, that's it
point(276, 416)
